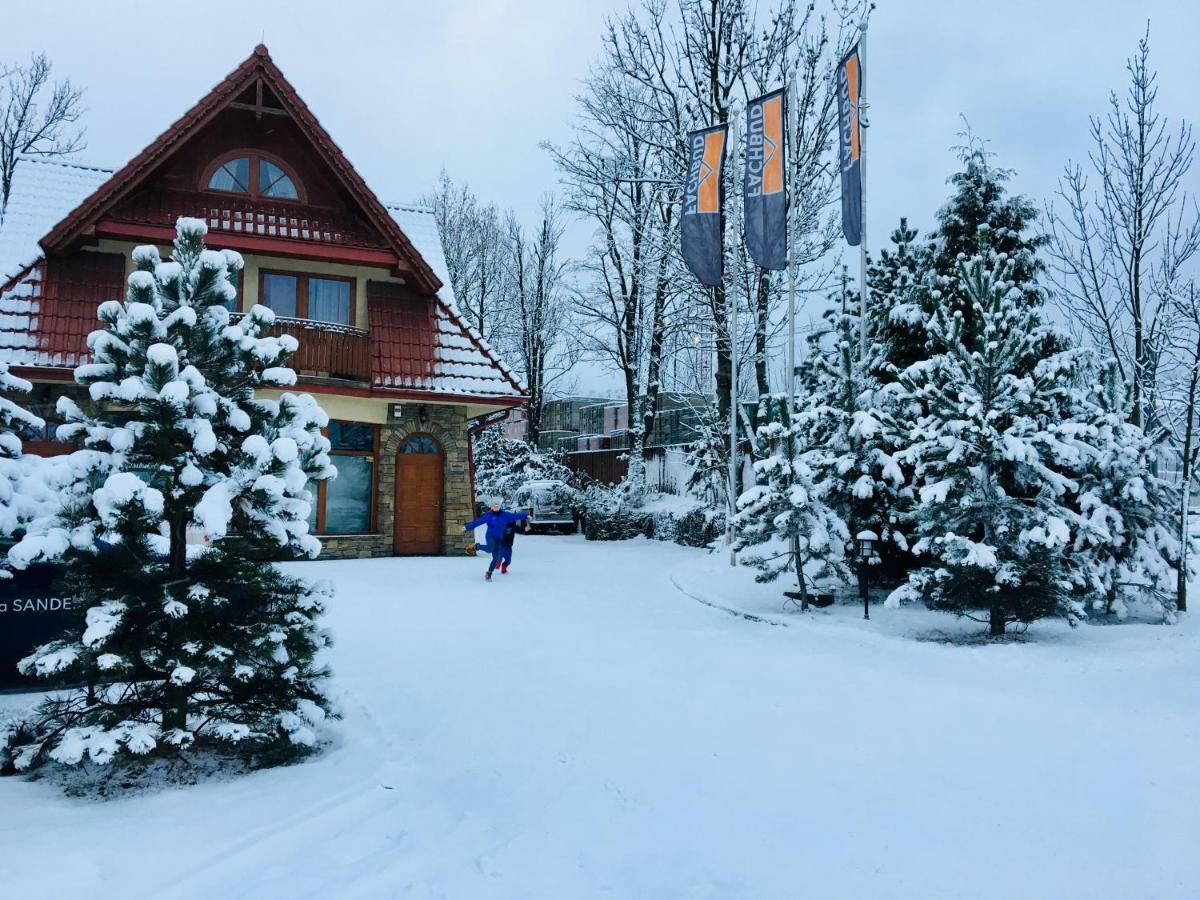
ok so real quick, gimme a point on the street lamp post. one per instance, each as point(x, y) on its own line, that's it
point(866, 551)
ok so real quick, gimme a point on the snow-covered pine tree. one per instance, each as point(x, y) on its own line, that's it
point(992, 521)
point(1127, 550)
point(896, 321)
point(847, 436)
point(21, 497)
point(981, 210)
point(785, 510)
point(708, 458)
point(205, 647)
point(980, 217)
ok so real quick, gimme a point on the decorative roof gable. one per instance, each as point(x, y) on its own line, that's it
point(258, 70)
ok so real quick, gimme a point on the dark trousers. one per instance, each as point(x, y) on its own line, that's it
point(501, 554)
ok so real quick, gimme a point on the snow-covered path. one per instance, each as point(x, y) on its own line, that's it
point(580, 728)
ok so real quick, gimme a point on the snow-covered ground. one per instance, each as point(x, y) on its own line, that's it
point(583, 727)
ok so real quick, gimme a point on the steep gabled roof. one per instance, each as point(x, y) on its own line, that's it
point(258, 65)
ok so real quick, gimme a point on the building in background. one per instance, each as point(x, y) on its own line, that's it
point(361, 284)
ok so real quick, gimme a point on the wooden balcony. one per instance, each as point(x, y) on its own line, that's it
point(327, 350)
point(245, 216)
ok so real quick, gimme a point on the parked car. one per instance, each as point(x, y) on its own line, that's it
point(548, 505)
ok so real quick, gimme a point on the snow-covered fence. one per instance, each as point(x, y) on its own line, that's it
point(668, 470)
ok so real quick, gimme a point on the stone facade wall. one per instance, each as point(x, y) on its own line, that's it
point(448, 425)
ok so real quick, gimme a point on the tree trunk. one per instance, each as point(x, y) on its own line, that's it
point(996, 621)
point(658, 329)
point(1181, 580)
point(761, 321)
point(175, 697)
point(177, 558)
point(724, 370)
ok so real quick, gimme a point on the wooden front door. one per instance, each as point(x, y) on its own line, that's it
point(417, 526)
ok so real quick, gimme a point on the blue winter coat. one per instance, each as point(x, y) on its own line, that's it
point(496, 521)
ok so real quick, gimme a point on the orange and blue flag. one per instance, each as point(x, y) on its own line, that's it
point(703, 201)
point(763, 185)
point(849, 92)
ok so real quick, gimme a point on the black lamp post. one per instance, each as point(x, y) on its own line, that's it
point(866, 550)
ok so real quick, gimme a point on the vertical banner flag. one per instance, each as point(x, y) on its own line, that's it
point(701, 219)
point(763, 188)
point(849, 90)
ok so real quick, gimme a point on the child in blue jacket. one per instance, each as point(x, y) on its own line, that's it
point(497, 522)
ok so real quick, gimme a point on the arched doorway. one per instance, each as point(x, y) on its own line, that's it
point(420, 476)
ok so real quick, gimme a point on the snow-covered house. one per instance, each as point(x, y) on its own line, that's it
point(362, 284)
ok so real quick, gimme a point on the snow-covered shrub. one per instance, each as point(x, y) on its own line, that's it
point(698, 528)
point(183, 647)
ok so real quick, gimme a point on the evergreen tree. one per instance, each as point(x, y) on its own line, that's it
point(846, 435)
point(16, 505)
point(783, 516)
point(896, 321)
point(982, 216)
point(989, 456)
point(708, 457)
point(1128, 549)
point(205, 647)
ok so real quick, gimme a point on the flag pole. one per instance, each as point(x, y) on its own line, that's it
point(790, 144)
point(735, 113)
point(733, 340)
point(793, 121)
point(862, 174)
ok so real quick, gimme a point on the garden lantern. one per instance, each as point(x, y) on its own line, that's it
point(866, 551)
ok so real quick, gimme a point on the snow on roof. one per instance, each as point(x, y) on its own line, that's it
point(43, 193)
point(464, 362)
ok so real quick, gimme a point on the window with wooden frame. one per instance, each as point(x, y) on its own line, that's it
point(317, 298)
point(253, 174)
point(346, 504)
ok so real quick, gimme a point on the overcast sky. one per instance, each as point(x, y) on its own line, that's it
point(408, 87)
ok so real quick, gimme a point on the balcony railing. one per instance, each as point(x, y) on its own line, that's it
point(327, 350)
point(243, 215)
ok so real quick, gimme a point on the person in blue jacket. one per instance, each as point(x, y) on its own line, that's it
point(497, 522)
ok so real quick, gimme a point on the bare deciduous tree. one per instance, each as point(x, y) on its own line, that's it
point(539, 316)
point(473, 241)
point(36, 118)
point(1115, 249)
point(669, 67)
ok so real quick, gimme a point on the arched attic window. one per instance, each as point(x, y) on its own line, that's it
point(253, 174)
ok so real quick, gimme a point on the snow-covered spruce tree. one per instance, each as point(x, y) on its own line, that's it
point(1127, 550)
point(204, 647)
point(783, 516)
point(708, 458)
point(22, 497)
point(992, 520)
point(896, 321)
point(846, 434)
point(980, 217)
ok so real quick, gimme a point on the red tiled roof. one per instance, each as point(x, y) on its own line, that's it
point(47, 314)
point(400, 325)
point(259, 64)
